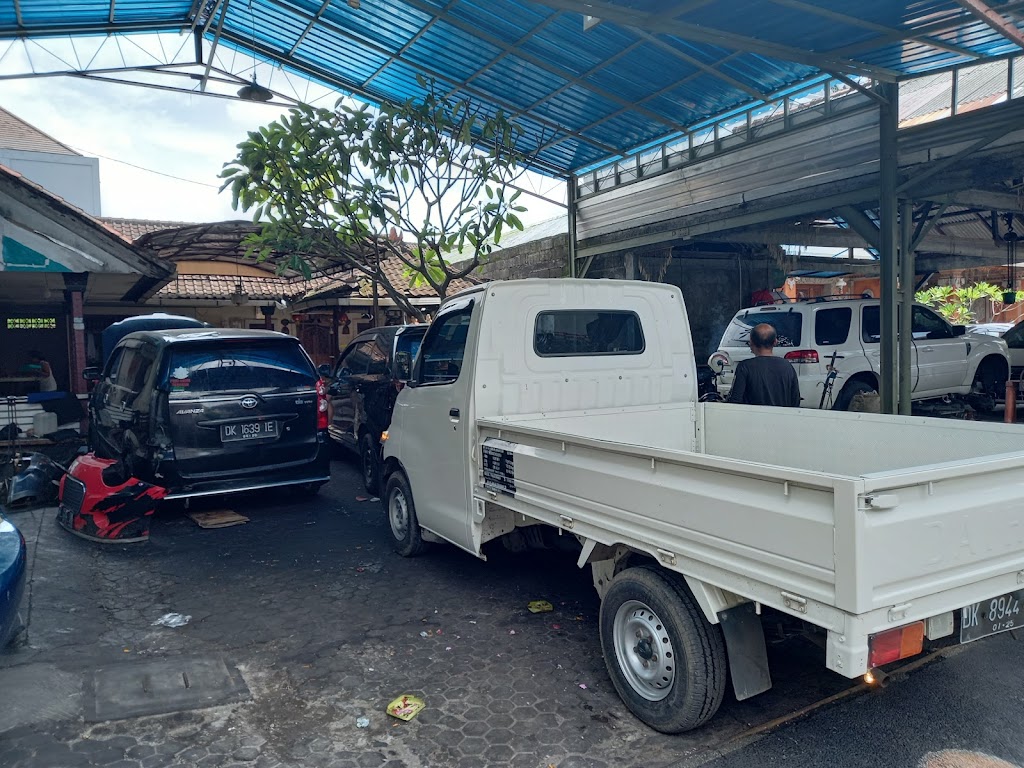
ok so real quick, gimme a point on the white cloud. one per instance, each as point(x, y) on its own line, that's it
point(169, 135)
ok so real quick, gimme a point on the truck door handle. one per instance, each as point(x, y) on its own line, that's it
point(454, 413)
point(928, 349)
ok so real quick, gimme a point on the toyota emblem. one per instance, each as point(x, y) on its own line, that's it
point(249, 401)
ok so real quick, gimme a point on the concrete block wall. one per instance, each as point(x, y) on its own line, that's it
point(547, 257)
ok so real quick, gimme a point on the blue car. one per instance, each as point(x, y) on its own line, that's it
point(12, 578)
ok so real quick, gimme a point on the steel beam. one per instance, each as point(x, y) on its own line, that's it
point(926, 225)
point(888, 32)
point(571, 195)
point(888, 236)
point(860, 224)
point(906, 304)
point(982, 198)
point(994, 19)
point(657, 24)
point(213, 47)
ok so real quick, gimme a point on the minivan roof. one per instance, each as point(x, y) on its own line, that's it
point(186, 335)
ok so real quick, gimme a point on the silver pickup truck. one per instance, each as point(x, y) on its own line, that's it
point(573, 404)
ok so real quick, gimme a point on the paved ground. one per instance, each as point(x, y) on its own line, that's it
point(326, 625)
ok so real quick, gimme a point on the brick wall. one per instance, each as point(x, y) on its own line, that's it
point(547, 257)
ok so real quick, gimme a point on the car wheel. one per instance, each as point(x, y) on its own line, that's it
point(666, 661)
point(405, 528)
point(369, 455)
point(850, 391)
point(989, 384)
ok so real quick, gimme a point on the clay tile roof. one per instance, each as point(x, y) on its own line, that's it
point(395, 272)
point(15, 133)
point(133, 229)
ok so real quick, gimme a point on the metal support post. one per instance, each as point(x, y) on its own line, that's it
point(888, 113)
point(906, 297)
point(570, 196)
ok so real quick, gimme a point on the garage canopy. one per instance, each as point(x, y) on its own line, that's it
point(587, 80)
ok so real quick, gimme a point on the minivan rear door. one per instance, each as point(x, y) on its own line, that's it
point(243, 405)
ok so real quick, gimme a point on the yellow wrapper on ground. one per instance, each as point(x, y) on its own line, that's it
point(540, 606)
point(405, 707)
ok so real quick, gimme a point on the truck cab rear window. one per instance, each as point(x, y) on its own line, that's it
point(572, 333)
point(234, 367)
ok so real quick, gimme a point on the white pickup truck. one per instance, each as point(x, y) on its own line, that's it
point(573, 404)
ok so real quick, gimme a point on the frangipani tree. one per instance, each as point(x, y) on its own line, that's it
point(425, 181)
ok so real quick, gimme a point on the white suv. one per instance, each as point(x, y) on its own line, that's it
point(814, 333)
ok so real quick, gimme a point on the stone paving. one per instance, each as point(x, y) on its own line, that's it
point(326, 626)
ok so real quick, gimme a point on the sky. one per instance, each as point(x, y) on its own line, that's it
point(160, 152)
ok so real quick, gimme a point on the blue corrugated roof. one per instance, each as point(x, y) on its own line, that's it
point(650, 69)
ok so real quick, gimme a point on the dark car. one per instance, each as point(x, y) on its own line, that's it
point(363, 386)
point(12, 579)
point(204, 412)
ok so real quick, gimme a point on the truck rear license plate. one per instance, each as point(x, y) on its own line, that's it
point(989, 617)
point(256, 430)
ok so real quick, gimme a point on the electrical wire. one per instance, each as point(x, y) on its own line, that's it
point(143, 168)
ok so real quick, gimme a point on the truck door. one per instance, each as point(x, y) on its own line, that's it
point(436, 426)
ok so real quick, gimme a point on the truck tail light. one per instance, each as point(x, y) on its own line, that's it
point(321, 405)
point(802, 356)
point(895, 644)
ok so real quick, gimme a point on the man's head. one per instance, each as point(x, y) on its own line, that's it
point(762, 338)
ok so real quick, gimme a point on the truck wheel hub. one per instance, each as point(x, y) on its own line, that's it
point(644, 651)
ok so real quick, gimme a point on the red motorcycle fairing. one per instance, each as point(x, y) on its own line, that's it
point(98, 503)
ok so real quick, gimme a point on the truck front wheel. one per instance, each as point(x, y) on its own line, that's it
point(667, 662)
point(405, 528)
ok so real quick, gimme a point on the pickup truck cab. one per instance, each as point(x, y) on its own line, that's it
point(845, 334)
point(573, 404)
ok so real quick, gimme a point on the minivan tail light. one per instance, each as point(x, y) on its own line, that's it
point(321, 405)
point(895, 644)
point(802, 356)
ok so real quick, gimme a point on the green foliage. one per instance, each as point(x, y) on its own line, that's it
point(331, 185)
point(956, 304)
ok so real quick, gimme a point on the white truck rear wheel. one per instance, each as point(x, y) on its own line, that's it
point(666, 661)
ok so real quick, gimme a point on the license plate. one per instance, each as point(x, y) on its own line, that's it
point(256, 430)
point(990, 617)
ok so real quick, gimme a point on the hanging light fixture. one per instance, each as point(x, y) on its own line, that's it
point(239, 296)
point(254, 91)
point(1010, 238)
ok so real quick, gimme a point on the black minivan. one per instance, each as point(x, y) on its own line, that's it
point(363, 387)
point(211, 411)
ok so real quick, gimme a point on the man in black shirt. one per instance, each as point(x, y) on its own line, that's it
point(765, 379)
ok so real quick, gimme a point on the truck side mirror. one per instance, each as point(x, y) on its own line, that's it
point(959, 330)
point(324, 371)
point(91, 374)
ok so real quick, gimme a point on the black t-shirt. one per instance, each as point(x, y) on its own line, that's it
point(765, 380)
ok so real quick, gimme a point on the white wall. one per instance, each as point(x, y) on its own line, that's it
point(72, 177)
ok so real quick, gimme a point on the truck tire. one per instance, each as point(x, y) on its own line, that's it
point(666, 661)
point(401, 511)
point(369, 459)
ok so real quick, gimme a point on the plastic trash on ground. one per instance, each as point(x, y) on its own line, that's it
point(406, 707)
point(363, 722)
point(172, 620)
point(539, 606)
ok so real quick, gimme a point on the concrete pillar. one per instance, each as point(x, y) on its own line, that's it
point(888, 236)
point(74, 293)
